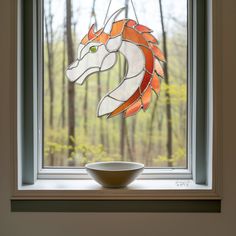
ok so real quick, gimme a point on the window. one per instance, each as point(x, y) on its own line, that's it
point(146, 137)
point(177, 154)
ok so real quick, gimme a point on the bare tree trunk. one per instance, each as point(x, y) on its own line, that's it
point(122, 139)
point(99, 89)
point(108, 124)
point(71, 88)
point(130, 153)
point(99, 94)
point(159, 128)
point(74, 36)
point(63, 92)
point(50, 52)
point(86, 84)
point(49, 39)
point(86, 109)
point(133, 131)
point(150, 133)
point(122, 122)
point(63, 110)
point(122, 128)
point(167, 92)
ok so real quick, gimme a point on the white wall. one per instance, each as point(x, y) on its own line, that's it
point(117, 224)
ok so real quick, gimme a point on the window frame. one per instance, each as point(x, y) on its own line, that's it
point(205, 161)
point(80, 172)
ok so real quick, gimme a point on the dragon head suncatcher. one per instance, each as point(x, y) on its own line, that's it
point(98, 52)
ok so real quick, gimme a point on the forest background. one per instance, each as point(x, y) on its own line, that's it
point(73, 135)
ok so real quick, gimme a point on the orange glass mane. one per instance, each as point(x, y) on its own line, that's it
point(142, 37)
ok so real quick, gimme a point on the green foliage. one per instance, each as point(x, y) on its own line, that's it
point(84, 151)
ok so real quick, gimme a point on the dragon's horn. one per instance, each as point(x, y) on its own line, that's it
point(91, 33)
point(108, 24)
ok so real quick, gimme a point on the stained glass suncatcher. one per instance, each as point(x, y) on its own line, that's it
point(98, 52)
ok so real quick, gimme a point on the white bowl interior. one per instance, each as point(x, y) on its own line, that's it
point(115, 166)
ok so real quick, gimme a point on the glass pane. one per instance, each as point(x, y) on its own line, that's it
point(155, 130)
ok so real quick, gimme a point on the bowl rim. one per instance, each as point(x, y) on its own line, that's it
point(140, 165)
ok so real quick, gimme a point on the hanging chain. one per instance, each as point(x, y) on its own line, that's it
point(108, 8)
point(134, 11)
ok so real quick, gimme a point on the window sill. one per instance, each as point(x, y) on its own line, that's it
point(139, 189)
point(140, 196)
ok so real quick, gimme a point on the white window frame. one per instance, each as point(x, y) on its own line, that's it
point(202, 179)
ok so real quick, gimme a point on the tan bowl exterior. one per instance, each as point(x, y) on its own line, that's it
point(114, 179)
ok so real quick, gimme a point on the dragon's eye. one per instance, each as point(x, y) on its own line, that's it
point(93, 49)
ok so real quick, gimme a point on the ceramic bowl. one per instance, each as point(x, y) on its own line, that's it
point(115, 174)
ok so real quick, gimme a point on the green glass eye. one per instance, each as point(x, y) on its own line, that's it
point(93, 49)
